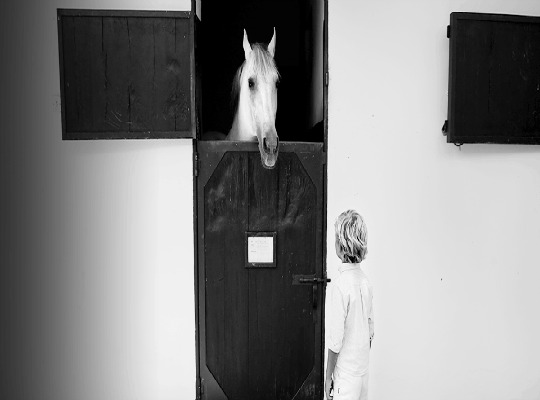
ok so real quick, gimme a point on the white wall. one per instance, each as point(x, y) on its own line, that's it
point(97, 241)
point(453, 233)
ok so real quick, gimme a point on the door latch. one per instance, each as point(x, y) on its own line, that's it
point(310, 280)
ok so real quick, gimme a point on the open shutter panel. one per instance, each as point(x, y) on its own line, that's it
point(126, 74)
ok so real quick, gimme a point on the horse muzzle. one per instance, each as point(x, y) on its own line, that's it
point(269, 151)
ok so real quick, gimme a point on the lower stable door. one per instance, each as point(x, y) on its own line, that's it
point(260, 272)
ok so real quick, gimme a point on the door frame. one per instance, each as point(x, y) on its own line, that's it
point(196, 162)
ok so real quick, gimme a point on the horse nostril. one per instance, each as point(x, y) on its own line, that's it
point(270, 148)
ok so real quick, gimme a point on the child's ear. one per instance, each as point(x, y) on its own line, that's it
point(339, 250)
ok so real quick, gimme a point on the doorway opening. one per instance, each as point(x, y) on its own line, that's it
point(299, 58)
point(260, 320)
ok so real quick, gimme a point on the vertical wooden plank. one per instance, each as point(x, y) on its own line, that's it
point(163, 116)
point(69, 101)
point(236, 281)
point(60, 22)
point(116, 52)
point(180, 99)
point(264, 284)
point(298, 253)
point(226, 277)
point(141, 73)
point(84, 74)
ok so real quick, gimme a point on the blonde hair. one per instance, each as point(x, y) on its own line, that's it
point(351, 236)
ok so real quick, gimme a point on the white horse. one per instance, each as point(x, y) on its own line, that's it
point(255, 94)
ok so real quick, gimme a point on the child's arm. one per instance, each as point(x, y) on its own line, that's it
point(371, 331)
point(371, 322)
point(329, 382)
point(336, 330)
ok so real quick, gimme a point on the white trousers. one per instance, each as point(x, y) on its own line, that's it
point(348, 387)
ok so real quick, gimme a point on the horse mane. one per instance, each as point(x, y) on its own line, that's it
point(261, 63)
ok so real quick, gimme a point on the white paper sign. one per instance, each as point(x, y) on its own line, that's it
point(260, 249)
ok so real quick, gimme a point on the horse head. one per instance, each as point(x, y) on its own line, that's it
point(257, 81)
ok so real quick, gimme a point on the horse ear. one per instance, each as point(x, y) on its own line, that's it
point(247, 46)
point(272, 44)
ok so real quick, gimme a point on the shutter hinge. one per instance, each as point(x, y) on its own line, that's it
point(444, 128)
point(201, 388)
point(196, 164)
point(326, 78)
point(448, 30)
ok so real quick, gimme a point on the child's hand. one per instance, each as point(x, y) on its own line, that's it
point(329, 388)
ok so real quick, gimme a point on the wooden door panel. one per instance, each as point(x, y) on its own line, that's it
point(260, 335)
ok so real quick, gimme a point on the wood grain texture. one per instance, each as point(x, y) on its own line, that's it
point(261, 333)
point(494, 83)
point(126, 76)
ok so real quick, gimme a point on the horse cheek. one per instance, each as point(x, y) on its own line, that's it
point(274, 103)
point(255, 114)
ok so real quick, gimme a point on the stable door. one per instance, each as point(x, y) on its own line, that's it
point(260, 248)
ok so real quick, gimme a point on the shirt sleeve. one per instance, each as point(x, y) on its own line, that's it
point(371, 318)
point(338, 313)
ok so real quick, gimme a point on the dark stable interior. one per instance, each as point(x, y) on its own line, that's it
point(299, 58)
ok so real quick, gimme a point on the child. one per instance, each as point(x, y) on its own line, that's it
point(350, 327)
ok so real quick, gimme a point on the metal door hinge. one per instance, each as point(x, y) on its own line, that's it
point(448, 30)
point(444, 128)
point(201, 388)
point(326, 78)
point(196, 164)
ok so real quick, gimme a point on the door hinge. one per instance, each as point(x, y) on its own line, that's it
point(201, 388)
point(448, 30)
point(196, 164)
point(444, 128)
point(326, 78)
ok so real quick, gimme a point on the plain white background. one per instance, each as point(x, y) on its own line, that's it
point(453, 234)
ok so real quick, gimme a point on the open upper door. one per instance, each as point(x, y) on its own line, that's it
point(127, 74)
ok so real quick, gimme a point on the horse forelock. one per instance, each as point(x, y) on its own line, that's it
point(260, 64)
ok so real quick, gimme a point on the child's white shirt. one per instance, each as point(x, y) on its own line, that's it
point(351, 320)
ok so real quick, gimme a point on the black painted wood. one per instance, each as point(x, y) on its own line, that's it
point(126, 74)
point(260, 336)
point(494, 79)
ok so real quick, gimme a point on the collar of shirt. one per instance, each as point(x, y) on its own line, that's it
point(346, 267)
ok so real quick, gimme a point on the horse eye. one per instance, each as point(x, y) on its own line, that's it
point(251, 83)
